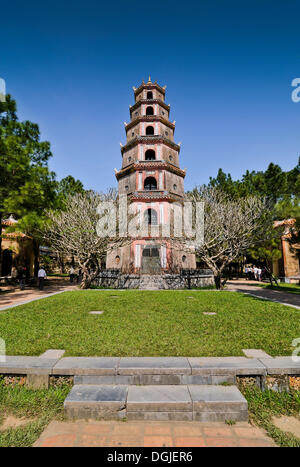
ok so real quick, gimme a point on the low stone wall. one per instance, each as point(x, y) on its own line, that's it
point(116, 280)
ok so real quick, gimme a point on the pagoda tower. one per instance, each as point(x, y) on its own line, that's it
point(153, 181)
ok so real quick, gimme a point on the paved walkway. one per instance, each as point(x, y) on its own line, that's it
point(250, 288)
point(11, 296)
point(151, 434)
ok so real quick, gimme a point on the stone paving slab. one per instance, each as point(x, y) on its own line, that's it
point(281, 366)
point(86, 366)
point(154, 365)
point(88, 401)
point(27, 365)
point(150, 433)
point(256, 353)
point(53, 353)
point(217, 399)
point(158, 399)
point(226, 366)
point(94, 393)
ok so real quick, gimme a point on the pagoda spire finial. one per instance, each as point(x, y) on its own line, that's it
point(149, 80)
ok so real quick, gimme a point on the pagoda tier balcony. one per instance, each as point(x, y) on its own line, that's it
point(155, 195)
point(150, 165)
point(150, 140)
point(149, 102)
point(149, 86)
point(149, 118)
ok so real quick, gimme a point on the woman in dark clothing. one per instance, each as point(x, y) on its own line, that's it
point(22, 277)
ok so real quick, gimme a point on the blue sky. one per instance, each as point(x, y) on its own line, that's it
point(228, 66)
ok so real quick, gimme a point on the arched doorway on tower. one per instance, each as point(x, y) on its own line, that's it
point(151, 259)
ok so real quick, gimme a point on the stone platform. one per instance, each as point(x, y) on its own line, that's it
point(113, 278)
point(181, 403)
point(152, 370)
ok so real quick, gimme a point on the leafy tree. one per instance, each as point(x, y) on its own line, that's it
point(27, 187)
point(26, 184)
point(69, 186)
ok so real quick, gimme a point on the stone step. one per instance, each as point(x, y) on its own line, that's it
point(156, 379)
point(164, 402)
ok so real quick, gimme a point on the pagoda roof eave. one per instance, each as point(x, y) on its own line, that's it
point(149, 86)
point(150, 140)
point(155, 196)
point(149, 102)
point(150, 165)
point(149, 118)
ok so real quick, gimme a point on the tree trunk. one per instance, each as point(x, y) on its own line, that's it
point(88, 276)
point(218, 281)
point(36, 252)
point(61, 263)
point(271, 276)
point(86, 281)
point(0, 243)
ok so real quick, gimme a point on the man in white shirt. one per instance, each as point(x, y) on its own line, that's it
point(259, 273)
point(255, 270)
point(72, 274)
point(41, 276)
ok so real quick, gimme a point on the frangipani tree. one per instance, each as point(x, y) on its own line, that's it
point(231, 227)
point(74, 231)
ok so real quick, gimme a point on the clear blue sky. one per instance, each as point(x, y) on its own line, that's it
point(228, 66)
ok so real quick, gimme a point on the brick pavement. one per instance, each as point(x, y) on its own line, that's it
point(13, 296)
point(151, 434)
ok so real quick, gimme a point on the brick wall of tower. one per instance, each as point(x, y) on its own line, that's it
point(127, 184)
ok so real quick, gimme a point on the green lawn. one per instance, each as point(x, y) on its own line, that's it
point(264, 405)
point(38, 407)
point(149, 323)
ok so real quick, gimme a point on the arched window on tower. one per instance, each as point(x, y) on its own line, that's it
point(150, 155)
point(150, 183)
point(150, 130)
point(149, 111)
point(149, 95)
point(150, 217)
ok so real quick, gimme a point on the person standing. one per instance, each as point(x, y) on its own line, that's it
point(41, 277)
point(255, 270)
point(72, 274)
point(259, 273)
point(22, 277)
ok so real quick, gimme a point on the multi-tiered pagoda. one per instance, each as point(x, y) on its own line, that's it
point(153, 181)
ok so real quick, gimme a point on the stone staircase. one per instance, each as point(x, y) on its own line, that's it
point(160, 389)
point(152, 282)
point(205, 403)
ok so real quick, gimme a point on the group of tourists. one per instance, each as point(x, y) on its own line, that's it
point(23, 276)
point(254, 273)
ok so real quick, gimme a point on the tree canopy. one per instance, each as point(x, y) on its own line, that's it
point(27, 186)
